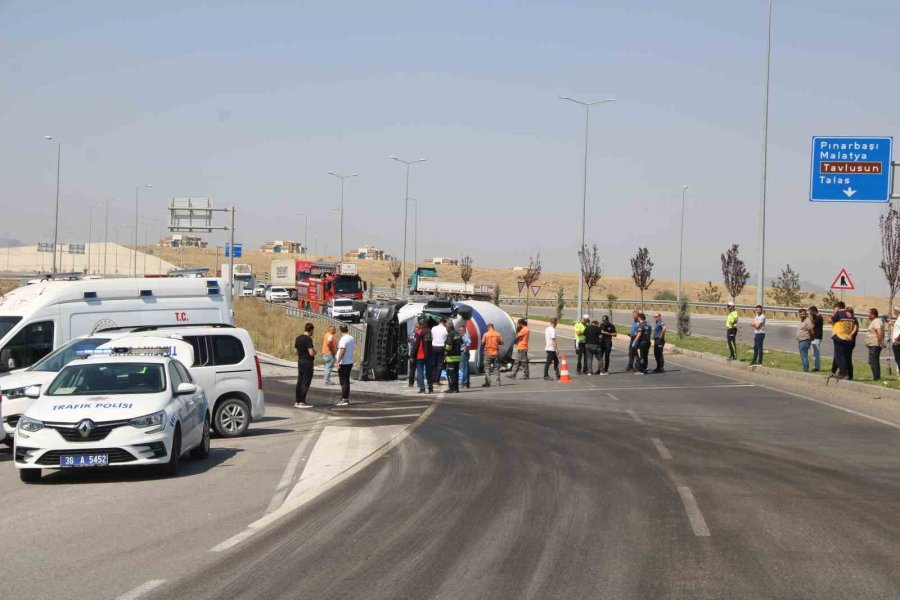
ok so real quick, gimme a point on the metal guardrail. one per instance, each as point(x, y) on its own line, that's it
point(357, 331)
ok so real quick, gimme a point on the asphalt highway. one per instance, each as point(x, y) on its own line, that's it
point(687, 484)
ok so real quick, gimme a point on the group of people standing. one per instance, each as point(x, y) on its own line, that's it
point(334, 352)
point(439, 347)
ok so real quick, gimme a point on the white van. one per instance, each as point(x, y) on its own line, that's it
point(38, 318)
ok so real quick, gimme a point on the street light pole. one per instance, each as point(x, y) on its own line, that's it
point(342, 178)
point(56, 219)
point(761, 275)
point(415, 233)
point(405, 219)
point(587, 113)
point(90, 236)
point(681, 242)
point(136, 210)
point(305, 231)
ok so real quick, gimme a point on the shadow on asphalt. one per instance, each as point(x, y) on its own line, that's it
point(5, 453)
point(189, 467)
point(259, 431)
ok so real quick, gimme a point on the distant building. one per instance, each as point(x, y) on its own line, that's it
point(368, 253)
point(181, 240)
point(443, 260)
point(283, 247)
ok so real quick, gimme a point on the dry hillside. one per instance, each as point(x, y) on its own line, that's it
point(378, 273)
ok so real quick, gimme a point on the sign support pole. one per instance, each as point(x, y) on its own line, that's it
point(893, 196)
point(231, 259)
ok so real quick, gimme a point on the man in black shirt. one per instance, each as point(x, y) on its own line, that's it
point(592, 347)
point(607, 333)
point(306, 353)
point(818, 325)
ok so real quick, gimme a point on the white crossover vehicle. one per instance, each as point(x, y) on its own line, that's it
point(127, 408)
point(277, 294)
point(342, 308)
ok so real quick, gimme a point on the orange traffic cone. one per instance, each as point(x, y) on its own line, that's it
point(564, 370)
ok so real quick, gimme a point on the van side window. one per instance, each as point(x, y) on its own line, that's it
point(174, 376)
point(184, 373)
point(30, 345)
point(201, 349)
point(227, 350)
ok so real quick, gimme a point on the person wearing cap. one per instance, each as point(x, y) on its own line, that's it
point(659, 342)
point(580, 326)
point(607, 332)
point(731, 323)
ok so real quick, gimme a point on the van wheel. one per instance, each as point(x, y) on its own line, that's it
point(202, 451)
point(232, 417)
point(170, 469)
point(30, 475)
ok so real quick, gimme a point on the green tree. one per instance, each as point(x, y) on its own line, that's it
point(496, 294)
point(786, 289)
point(829, 300)
point(642, 271)
point(668, 295)
point(611, 298)
point(684, 319)
point(560, 302)
point(710, 294)
point(734, 272)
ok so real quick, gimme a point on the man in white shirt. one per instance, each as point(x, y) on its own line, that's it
point(759, 335)
point(438, 352)
point(552, 349)
point(344, 359)
point(895, 336)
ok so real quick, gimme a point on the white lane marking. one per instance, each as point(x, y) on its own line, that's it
point(296, 501)
point(661, 448)
point(698, 523)
point(233, 541)
point(802, 397)
point(612, 396)
point(637, 418)
point(378, 408)
point(840, 408)
point(142, 589)
point(623, 389)
point(367, 418)
point(283, 487)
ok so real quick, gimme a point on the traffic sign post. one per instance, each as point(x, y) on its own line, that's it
point(842, 281)
point(238, 250)
point(851, 169)
point(535, 289)
point(521, 286)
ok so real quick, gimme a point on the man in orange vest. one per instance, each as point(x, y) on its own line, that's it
point(491, 342)
point(522, 334)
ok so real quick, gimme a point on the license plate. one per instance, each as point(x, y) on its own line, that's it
point(84, 460)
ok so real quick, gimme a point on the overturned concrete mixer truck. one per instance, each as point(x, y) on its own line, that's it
point(390, 325)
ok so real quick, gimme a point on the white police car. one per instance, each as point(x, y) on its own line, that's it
point(130, 407)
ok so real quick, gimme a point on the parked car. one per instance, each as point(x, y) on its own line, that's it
point(342, 308)
point(124, 409)
point(277, 294)
point(260, 290)
point(223, 363)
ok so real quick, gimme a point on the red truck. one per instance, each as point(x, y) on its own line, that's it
point(318, 283)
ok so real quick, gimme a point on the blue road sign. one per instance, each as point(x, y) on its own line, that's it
point(851, 169)
point(238, 250)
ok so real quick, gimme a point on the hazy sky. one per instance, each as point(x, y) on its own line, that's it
point(251, 103)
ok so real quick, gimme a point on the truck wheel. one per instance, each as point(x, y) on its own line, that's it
point(29, 475)
point(231, 417)
point(202, 451)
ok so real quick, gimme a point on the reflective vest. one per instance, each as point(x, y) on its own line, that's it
point(579, 332)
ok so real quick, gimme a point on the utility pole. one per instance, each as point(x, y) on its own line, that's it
point(56, 218)
point(405, 220)
point(761, 271)
point(587, 120)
